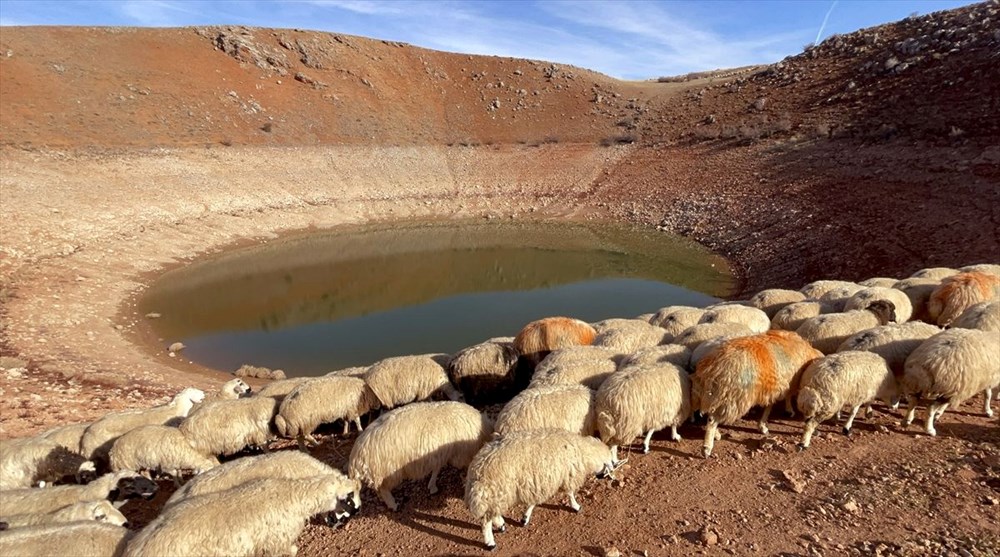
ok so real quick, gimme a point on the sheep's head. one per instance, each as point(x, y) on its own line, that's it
point(86, 473)
point(235, 388)
point(884, 310)
point(132, 487)
point(104, 511)
point(345, 505)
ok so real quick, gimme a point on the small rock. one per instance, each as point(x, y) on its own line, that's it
point(708, 537)
point(177, 347)
point(153, 315)
point(850, 506)
point(991, 500)
point(612, 552)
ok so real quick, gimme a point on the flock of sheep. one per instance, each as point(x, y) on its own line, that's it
point(574, 392)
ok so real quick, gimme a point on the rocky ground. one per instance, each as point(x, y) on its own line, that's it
point(127, 151)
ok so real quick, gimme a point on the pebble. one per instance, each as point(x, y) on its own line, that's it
point(612, 552)
point(177, 347)
point(850, 506)
point(708, 537)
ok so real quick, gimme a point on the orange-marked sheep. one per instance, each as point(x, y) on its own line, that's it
point(958, 293)
point(745, 372)
point(538, 338)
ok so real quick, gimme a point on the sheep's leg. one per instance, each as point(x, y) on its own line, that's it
point(789, 407)
point(645, 442)
point(711, 429)
point(293, 550)
point(357, 422)
point(432, 486)
point(302, 442)
point(850, 419)
point(498, 524)
point(673, 433)
point(807, 433)
point(934, 411)
point(488, 533)
point(388, 499)
point(527, 515)
point(988, 393)
point(572, 502)
point(176, 474)
point(763, 420)
point(347, 427)
point(912, 413)
point(869, 410)
point(312, 440)
point(614, 452)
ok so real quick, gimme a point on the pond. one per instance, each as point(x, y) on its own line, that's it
point(313, 303)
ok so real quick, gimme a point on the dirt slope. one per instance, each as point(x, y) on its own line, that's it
point(126, 151)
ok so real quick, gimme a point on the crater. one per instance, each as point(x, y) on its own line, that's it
point(313, 303)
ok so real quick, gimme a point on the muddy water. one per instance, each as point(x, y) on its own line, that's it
point(314, 303)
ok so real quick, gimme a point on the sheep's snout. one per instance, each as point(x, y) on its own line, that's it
point(138, 486)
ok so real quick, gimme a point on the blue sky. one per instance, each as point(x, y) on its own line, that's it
point(623, 38)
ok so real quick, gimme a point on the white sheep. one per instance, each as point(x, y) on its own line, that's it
point(935, 273)
point(827, 332)
point(486, 371)
point(234, 388)
point(754, 319)
point(279, 464)
point(988, 268)
point(98, 438)
point(816, 289)
point(676, 319)
point(838, 297)
point(97, 511)
point(949, 368)
point(113, 487)
point(919, 291)
point(883, 282)
point(705, 348)
point(405, 379)
point(665, 353)
point(279, 389)
point(845, 378)
point(79, 539)
point(321, 401)
point(227, 427)
point(746, 372)
point(529, 468)
point(271, 513)
point(27, 461)
point(414, 441)
point(356, 371)
point(628, 335)
point(900, 301)
point(770, 301)
point(894, 343)
point(958, 293)
point(694, 336)
point(569, 407)
point(584, 365)
point(642, 399)
point(984, 316)
point(792, 316)
point(158, 448)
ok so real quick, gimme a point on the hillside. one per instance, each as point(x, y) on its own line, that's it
point(126, 151)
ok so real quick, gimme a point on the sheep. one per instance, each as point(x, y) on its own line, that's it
point(642, 399)
point(98, 438)
point(703, 349)
point(984, 316)
point(30, 460)
point(357, 371)
point(540, 337)
point(278, 390)
point(793, 315)
point(158, 448)
point(882, 282)
point(280, 464)
point(117, 486)
point(773, 299)
point(676, 319)
point(645, 317)
point(405, 379)
point(410, 442)
point(900, 301)
point(323, 400)
point(988, 268)
point(247, 370)
point(487, 371)
point(226, 427)
point(584, 365)
point(628, 335)
point(569, 407)
point(97, 511)
point(919, 291)
point(844, 378)
point(68, 436)
point(815, 290)
point(665, 353)
point(529, 468)
point(79, 539)
point(949, 368)
point(827, 332)
point(838, 297)
point(234, 388)
point(702, 332)
point(745, 372)
point(272, 512)
point(893, 343)
point(754, 319)
point(935, 273)
point(958, 292)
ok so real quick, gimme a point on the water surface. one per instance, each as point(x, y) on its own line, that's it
point(314, 303)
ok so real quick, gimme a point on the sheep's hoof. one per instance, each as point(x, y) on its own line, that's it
point(847, 431)
point(932, 432)
point(502, 528)
point(802, 447)
point(904, 423)
point(706, 452)
point(645, 450)
point(491, 546)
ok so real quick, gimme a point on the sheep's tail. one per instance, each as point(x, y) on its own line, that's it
point(809, 401)
point(282, 426)
point(606, 426)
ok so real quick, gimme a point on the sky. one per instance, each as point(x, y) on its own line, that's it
point(628, 39)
